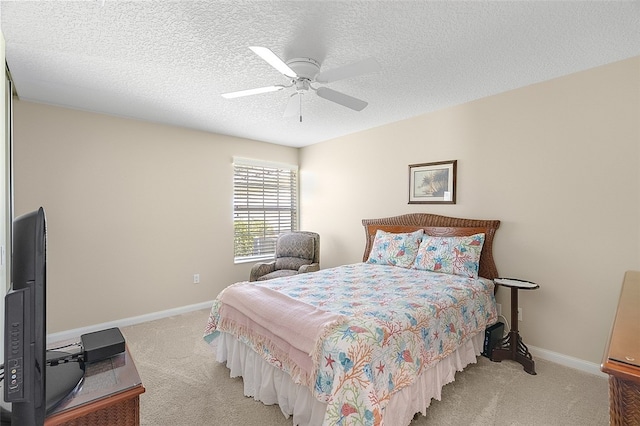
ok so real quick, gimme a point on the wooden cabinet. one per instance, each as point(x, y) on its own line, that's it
point(109, 395)
point(622, 355)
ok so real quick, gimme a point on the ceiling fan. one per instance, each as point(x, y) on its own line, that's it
point(303, 73)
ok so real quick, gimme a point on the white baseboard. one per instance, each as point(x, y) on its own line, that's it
point(77, 332)
point(567, 361)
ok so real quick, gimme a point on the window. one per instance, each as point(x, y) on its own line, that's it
point(265, 204)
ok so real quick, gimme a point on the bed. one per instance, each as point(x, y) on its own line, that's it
point(369, 343)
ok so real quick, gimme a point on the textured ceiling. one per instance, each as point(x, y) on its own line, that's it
point(169, 61)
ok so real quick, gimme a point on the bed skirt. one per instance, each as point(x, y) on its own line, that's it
point(270, 385)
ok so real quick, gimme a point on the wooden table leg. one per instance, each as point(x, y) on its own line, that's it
point(512, 346)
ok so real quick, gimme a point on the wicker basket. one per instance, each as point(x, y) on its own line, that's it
point(114, 411)
point(624, 397)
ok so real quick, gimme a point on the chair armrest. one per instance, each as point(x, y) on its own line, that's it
point(260, 269)
point(309, 268)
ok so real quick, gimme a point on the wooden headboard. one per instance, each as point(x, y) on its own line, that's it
point(439, 226)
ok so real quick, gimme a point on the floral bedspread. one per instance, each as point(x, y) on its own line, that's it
point(401, 322)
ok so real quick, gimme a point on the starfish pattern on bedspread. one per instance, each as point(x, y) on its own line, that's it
point(401, 322)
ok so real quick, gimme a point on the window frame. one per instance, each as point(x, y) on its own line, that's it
point(259, 205)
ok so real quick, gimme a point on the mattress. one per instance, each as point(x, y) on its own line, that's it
point(353, 338)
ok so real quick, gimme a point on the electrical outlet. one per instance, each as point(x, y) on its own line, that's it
point(519, 314)
point(196, 278)
point(499, 308)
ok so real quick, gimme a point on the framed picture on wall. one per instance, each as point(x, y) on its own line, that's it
point(433, 183)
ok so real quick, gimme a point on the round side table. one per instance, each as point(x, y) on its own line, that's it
point(512, 346)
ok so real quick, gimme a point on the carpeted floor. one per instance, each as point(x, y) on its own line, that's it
point(186, 386)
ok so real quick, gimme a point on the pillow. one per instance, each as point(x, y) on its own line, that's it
point(395, 249)
point(450, 255)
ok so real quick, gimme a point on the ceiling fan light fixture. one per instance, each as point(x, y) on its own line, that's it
point(306, 68)
point(249, 92)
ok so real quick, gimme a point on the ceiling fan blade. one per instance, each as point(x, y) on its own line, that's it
point(273, 60)
point(364, 66)
point(294, 106)
point(342, 99)
point(250, 92)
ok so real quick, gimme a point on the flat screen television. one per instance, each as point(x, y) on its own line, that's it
point(27, 376)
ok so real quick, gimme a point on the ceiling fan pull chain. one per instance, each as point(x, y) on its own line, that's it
point(300, 107)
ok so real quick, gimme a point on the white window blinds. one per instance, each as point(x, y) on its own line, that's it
point(265, 204)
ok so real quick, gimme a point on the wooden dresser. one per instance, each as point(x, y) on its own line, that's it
point(622, 355)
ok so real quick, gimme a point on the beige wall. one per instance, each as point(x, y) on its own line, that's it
point(133, 209)
point(557, 162)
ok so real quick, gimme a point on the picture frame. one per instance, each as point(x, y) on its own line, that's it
point(433, 183)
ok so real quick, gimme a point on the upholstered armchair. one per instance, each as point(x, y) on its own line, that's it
point(297, 252)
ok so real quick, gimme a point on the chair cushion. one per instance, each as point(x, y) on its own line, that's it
point(293, 263)
point(295, 245)
point(277, 274)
